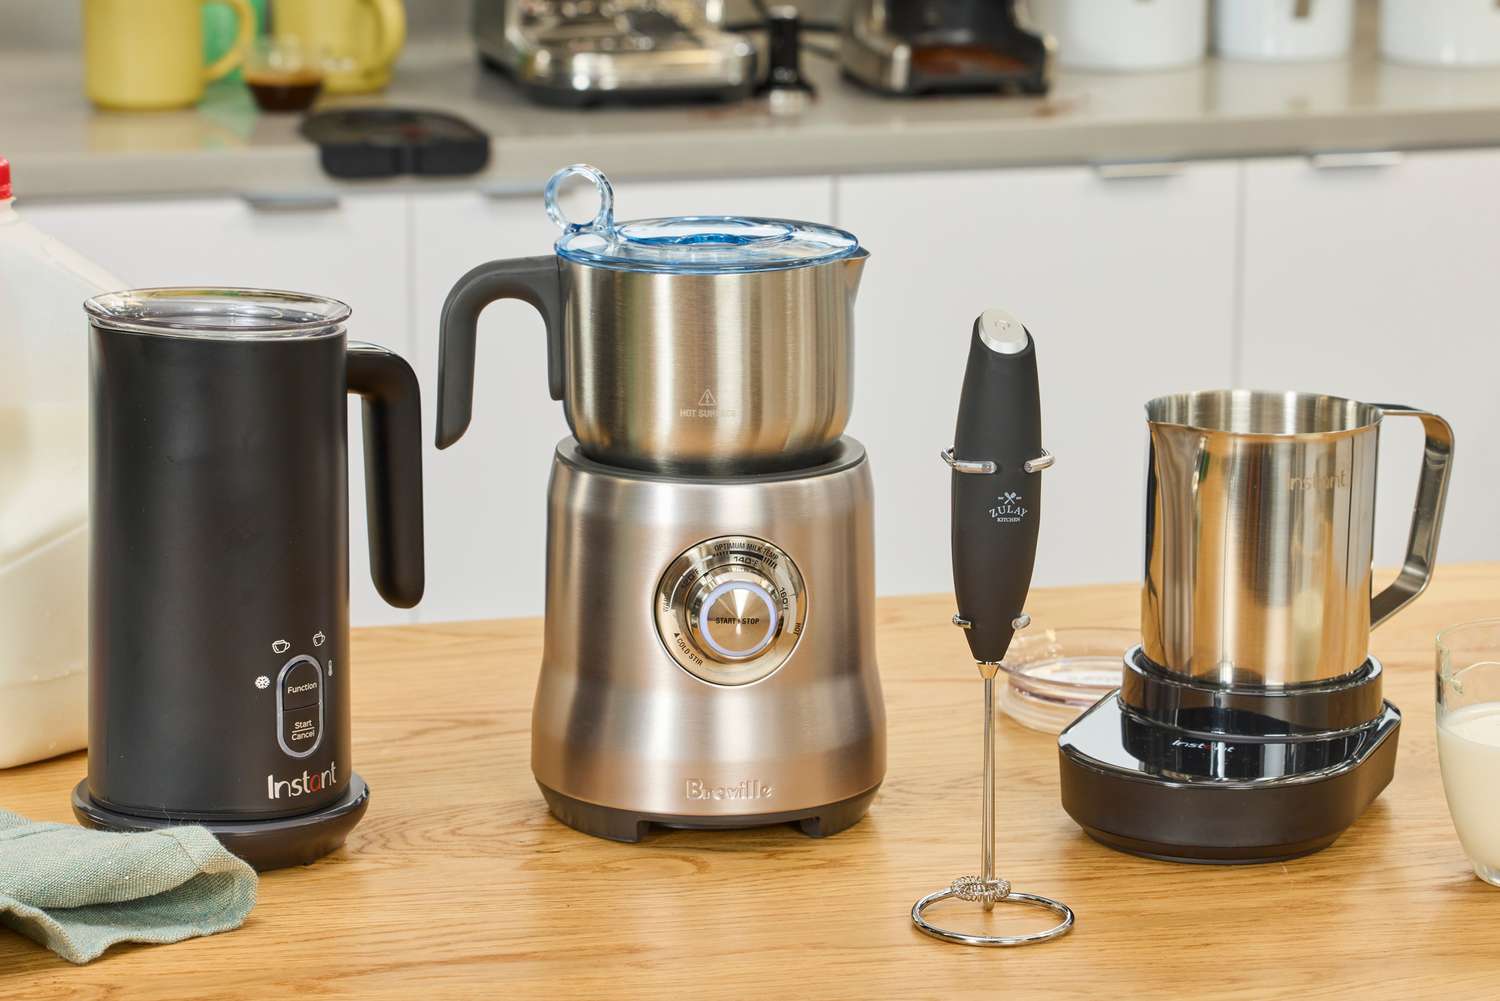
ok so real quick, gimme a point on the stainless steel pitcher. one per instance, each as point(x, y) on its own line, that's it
point(1260, 521)
point(704, 344)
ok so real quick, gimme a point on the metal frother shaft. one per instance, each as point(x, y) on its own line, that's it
point(995, 501)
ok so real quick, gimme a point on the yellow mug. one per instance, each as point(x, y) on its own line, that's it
point(148, 54)
point(358, 39)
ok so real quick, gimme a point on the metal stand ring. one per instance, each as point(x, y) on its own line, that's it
point(1015, 896)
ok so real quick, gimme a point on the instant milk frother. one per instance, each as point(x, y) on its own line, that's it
point(219, 664)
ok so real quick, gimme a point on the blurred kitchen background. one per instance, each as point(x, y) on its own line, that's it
point(1276, 194)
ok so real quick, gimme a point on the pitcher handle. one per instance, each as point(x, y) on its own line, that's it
point(533, 280)
point(1427, 514)
point(393, 469)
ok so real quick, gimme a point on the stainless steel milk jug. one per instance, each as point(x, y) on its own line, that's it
point(1260, 520)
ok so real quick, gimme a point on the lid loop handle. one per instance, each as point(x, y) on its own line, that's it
point(603, 221)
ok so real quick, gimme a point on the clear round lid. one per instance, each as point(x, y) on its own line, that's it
point(219, 313)
point(703, 245)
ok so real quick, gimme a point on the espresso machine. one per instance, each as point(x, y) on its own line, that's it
point(1250, 724)
point(584, 52)
point(709, 653)
point(911, 47)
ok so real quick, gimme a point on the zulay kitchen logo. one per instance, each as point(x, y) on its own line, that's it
point(301, 785)
point(1008, 508)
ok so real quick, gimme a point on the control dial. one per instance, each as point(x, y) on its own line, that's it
point(730, 610)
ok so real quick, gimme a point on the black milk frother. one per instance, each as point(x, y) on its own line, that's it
point(996, 459)
point(219, 664)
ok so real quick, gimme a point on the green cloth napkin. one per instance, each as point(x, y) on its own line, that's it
point(78, 892)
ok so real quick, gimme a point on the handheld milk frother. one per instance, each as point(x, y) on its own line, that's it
point(996, 458)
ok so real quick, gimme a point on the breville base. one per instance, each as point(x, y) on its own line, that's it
point(631, 827)
point(265, 844)
point(1152, 790)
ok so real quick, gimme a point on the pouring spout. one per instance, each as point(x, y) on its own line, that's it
point(854, 270)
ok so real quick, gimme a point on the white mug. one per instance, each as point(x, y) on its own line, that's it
point(1441, 32)
point(1124, 34)
point(1283, 30)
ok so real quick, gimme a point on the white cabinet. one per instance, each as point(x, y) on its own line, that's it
point(1128, 288)
point(486, 496)
point(1378, 283)
point(1275, 274)
point(355, 251)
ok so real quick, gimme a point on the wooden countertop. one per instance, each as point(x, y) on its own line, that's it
point(459, 884)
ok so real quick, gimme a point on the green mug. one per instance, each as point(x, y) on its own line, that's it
point(219, 32)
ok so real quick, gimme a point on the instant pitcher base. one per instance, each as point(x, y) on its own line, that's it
point(630, 826)
point(265, 844)
point(1151, 790)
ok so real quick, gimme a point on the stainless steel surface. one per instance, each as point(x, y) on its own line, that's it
point(716, 373)
point(730, 610)
point(1044, 461)
point(1357, 159)
point(314, 201)
point(1259, 531)
point(907, 47)
point(618, 723)
point(977, 467)
point(1138, 170)
point(614, 46)
point(1003, 333)
point(989, 887)
point(871, 54)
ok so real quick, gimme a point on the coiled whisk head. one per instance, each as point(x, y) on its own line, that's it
point(982, 890)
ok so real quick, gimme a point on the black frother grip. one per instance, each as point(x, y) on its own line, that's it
point(393, 469)
point(996, 508)
point(533, 280)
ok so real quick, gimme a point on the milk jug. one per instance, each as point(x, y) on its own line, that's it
point(43, 488)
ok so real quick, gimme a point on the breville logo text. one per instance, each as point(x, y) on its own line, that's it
point(302, 784)
point(1008, 508)
point(1321, 481)
point(748, 789)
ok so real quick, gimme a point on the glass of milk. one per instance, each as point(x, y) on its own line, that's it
point(1468, 734)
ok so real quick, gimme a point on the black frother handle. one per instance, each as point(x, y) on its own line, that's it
point(996, 514)
point(393, 470)
point(533, 280)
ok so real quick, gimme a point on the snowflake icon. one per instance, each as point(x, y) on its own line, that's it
point(262, 682)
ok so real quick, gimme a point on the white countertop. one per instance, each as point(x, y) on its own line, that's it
point(60, 147)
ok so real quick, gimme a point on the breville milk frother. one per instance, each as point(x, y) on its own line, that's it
point(219, 572)
point(709, 654)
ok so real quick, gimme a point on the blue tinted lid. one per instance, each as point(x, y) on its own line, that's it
point(690, 244)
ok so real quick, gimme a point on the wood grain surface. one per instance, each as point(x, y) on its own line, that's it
point(459, 884)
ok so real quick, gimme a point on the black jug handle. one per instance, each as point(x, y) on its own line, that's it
point(393, 469)
point(534, 280)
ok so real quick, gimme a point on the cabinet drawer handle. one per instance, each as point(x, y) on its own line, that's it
point(1137, 170)
point(1357, 159)
point(291, 203)
point(500, 192)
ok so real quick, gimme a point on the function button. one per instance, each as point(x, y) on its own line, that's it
point(301, 684)
point(300, 729)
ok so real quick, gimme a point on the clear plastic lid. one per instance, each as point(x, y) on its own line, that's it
point(702, 245)
point(219, 313)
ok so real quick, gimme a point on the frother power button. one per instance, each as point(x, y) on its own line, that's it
point(738, 619)
point(299, 706)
